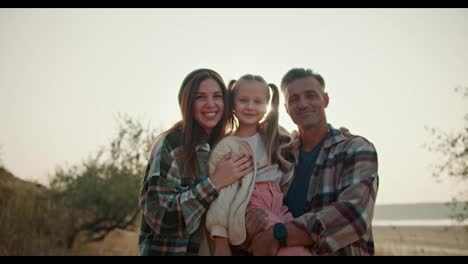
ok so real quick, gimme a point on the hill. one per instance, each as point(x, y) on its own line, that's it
point(34, 224)
point(10, 184)
point(31, 221)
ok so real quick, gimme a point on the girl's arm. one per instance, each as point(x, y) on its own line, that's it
point(222, 247)
point(217, 217)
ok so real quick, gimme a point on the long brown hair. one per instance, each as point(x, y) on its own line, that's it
point(192, 133)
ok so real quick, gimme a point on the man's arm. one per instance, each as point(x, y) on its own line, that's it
point(340, 223)
point(265, 244)
point(348, 219)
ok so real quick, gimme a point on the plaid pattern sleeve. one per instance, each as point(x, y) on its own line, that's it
point(172, 210)
point(342, 207)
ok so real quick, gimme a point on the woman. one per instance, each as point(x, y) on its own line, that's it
point(177, 189)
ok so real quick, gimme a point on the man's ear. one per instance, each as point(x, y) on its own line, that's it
point(326, 100)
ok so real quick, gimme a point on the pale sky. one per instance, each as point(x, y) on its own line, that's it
point(66, 73)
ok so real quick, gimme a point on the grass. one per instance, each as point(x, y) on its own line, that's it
point(31, 223)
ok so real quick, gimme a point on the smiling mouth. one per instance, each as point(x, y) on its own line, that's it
point(210, 114)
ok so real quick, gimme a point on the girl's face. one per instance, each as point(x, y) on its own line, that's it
point(209, 105)
point(251, 102)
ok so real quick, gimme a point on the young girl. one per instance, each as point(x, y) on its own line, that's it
point(176, 190)
point(271, 148)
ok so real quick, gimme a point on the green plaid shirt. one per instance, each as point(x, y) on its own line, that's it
point(173, 206)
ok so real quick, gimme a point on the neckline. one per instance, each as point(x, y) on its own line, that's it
point(249, 137)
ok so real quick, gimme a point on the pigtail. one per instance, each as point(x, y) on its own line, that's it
point(231, 94)
point(270, 127)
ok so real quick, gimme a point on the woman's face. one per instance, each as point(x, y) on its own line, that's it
point(208, 108)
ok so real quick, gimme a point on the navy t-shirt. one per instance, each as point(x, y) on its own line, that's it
point(297, 193)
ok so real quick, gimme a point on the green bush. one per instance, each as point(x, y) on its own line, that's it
point(102, 193)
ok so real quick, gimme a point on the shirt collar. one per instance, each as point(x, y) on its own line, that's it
point(334, 136)
point(203, 147)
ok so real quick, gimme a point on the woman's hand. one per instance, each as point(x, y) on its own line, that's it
point(230, 169)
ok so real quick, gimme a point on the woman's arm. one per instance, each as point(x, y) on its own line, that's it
point(169, 208)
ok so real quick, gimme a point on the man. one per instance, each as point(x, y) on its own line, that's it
point(332, 195)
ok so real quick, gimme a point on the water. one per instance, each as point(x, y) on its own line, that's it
point(422, 214)
point(418, 222)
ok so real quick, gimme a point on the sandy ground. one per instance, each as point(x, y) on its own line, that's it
point(117, 243)
point(421, 241)
point(389, 241)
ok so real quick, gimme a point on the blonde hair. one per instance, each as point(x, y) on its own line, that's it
point(278, 142)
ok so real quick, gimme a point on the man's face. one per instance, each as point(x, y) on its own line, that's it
point(306, 102)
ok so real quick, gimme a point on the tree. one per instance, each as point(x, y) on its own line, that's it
point(454, 149)
point(101, 194)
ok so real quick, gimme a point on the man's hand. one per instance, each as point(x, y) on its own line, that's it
point(344, 130)
point(264, 244)
point(296, 135)
point(256, 221)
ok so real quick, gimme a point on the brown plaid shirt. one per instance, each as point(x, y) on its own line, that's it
point(341, 196)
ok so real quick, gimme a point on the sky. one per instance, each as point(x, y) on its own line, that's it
point(65, 74)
